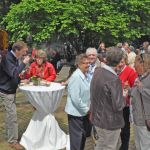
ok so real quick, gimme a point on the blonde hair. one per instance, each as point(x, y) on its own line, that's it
point(41, 53)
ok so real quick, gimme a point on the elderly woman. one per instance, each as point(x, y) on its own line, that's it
point(78, 102)
point(140, 95)
point(41, 67)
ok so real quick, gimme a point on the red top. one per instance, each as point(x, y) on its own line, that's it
point(46, 71)
point(34, 53)
point(129, 75)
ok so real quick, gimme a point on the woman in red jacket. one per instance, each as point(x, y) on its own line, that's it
point(42, 68)
point(127, 75)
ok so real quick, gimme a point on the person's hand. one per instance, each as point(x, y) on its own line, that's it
point(138, 84)
point(63, 83)
point(126, 85)
point(26, 59)
point(25, 81)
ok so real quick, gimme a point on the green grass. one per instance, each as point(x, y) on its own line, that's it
point(24, 112)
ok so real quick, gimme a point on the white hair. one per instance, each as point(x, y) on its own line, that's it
point(91, 50)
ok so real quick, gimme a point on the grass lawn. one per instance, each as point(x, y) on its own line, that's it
point(24, 112)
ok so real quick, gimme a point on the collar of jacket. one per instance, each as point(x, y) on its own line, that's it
point(12, 52)
point(109, 69)
point(81, 74)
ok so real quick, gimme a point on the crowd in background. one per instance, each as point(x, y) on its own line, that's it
point(107, 90)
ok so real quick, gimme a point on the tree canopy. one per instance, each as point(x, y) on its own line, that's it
point(81, 22)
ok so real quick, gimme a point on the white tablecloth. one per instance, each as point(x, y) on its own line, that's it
point(43, 131)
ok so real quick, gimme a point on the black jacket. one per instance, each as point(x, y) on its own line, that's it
point(9, 73)
point(107, 100)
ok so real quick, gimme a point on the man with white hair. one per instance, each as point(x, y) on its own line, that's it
point(94, 62)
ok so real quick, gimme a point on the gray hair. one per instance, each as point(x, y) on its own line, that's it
point(119, 45)
point(80, 58)
point(114, 56)
point(91, 50)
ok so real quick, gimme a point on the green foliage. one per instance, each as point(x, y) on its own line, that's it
point(81, 22)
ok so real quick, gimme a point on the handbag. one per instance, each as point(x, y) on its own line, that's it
point(147, 121)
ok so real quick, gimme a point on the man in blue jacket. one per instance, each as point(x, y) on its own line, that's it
point(10, 69)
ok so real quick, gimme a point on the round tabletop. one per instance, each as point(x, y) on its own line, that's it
point(40, 88)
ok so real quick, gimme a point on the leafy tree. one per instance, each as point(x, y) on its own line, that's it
point(4, 6)
point(81, 22)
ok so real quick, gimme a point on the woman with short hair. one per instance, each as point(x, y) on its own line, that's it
point(41, 67)
point(78, 102)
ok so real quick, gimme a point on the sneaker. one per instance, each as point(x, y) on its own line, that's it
point(16, 146)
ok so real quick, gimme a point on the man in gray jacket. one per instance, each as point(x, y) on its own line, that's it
point(107, 102)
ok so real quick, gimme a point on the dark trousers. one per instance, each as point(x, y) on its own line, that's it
point(77, 131)
point(125, 132)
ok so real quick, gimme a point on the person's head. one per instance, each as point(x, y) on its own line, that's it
point(91, 54)
point(100, 58)
point(114, 56)
point(142, 63)
point(128, 49)
point(20, 49)
point(41, 57)
point(125, 46)
point(132, 48)
point(54, 52)
point(119, 45)
point(123, 62)
point(82, 62)
point(145, 45)
point(102, 46)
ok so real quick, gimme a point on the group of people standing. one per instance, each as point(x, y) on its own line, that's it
point(104, 92)
point(101, 92)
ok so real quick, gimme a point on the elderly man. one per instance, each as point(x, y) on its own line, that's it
point(9, 79)
point(107, 102)
point(94, 62)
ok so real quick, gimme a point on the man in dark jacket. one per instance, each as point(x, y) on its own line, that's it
point(10, 69)
point(107, 102)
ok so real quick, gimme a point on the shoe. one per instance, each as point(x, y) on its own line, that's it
point(16, 146)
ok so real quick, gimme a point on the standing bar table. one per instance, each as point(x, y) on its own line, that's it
point(43, 131)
